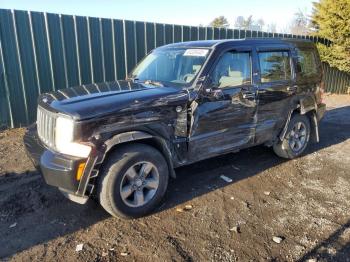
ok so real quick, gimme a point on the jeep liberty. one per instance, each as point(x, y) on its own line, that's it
point(184, 102)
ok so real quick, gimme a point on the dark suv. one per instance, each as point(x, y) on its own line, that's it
point(184, 102)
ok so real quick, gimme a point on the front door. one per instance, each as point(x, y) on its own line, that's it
point(224, 115)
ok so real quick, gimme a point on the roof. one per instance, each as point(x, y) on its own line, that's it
point(214, 43)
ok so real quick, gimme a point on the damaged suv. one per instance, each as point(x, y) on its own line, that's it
point(184, 102)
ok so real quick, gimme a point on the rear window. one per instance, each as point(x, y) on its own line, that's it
point(307, 62)
point(274, 66)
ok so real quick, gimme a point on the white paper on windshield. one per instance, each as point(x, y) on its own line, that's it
point(196, 52)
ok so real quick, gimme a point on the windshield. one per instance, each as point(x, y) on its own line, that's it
point(177, 66)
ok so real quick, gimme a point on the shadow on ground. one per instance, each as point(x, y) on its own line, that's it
point(39, 213)
point(202, 177)
point(332, 249)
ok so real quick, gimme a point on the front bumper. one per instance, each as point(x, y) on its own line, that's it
point(57, 169)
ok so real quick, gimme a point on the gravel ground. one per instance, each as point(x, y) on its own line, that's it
point(304, 202)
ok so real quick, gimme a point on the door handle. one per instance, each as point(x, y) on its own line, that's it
point(248, 95)
point(292, 88)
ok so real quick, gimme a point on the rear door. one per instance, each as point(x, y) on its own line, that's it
point(275, 91)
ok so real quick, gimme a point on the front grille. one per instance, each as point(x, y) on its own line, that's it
point(46, 122)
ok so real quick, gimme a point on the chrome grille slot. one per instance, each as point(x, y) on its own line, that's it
point(46, 122)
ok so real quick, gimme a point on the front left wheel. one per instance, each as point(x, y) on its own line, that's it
point(133, 181)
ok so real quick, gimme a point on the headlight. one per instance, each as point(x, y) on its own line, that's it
point(64, 139)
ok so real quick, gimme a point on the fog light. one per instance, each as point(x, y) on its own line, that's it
point(80, 171)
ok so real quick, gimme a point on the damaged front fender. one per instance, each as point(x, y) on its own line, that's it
point(142, 137)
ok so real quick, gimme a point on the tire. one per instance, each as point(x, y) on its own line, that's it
point(119, 188)
point(288, 149)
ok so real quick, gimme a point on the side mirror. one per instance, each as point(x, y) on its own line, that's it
point(298, 68)
point(214, 92)
point(211, 90)
point(208, 89)
point(201, 81)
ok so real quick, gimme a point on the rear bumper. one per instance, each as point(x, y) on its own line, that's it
point(321, 109)
point(57, 169)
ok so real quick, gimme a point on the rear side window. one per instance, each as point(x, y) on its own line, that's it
point(307, 62)
point(274, 66)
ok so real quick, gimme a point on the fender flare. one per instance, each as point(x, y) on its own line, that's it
point(307, 104)
point(132, 136)
point(305, 107)
point(125, 137)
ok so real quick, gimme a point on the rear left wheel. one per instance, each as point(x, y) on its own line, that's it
point(296, 139)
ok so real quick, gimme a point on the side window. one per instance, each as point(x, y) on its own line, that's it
point(307, 62)
point(233, 69)
point(274, 66)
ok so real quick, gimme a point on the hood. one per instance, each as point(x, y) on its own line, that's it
point(96, 100)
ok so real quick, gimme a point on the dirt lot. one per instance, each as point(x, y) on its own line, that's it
point(305, 201)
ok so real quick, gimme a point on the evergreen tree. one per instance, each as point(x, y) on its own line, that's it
point(331, 20)
point(220, 21)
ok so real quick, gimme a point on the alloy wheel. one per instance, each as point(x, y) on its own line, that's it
point(297, 136)
point(139, 184)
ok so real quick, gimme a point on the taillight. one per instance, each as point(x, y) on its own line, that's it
point(322, 89)
point(322, 86)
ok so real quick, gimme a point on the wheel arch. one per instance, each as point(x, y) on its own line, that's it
point(143, 138)
point(304, 106)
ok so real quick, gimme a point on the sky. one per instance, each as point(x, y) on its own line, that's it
point(185, 12)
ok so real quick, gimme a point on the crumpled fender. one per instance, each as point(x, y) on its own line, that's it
point(138, 136)
point(126, 137)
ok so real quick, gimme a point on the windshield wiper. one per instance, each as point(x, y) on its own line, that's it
point(152, 82)
point(132, 78)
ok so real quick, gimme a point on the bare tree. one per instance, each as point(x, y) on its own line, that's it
point(299, 24)
point(249, 23)
point(260, 23)
point(239, 22)
point(271, 28)
point(244, 23)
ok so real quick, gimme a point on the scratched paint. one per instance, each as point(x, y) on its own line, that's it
point(188, 123)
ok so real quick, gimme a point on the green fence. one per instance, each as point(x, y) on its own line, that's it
point(336, 81)
point(40, 52)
